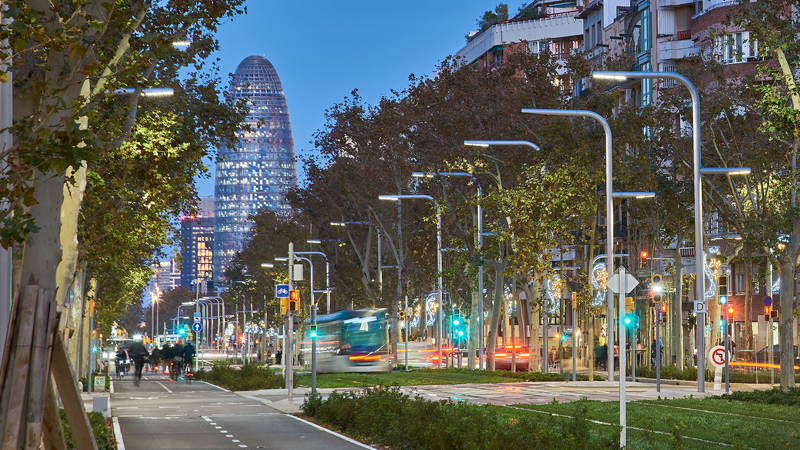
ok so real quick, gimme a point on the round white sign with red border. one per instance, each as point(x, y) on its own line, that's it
point(717, 356)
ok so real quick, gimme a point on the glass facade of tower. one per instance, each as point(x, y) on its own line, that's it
point(258, 171)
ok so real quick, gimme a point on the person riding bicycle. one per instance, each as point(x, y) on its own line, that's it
point(138, 353)
point(176, 368)
point(188, 357)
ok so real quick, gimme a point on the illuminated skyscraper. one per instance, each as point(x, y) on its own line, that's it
point(258, 171)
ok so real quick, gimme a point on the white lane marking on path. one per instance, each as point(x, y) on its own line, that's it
point(111, 388)
point(220, 388)
point(242, 446)
point(228, 435)
point(127, 407)
point(167, 389)
point(129, 415)
point(118, 434)
point(235, 440)
point(206, 418)
point(169, 407)
point(352, 441)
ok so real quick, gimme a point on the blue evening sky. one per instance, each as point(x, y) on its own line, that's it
point(323, 50)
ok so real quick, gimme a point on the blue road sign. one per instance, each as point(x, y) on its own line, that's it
point(282, 291)
point(767, 300)
point(197, 326)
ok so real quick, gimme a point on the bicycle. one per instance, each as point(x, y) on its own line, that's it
point(121, 367)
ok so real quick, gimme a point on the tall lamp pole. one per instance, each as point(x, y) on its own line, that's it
point(438, 259)
point(488, 143)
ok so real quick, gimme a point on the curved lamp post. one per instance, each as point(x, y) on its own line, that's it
point(438, 258)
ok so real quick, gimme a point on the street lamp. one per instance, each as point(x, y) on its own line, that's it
point(609, 213)
point(438, 259)
point(327, 274)
point(488, 143)
point(698, 193)
point(267, 265)
point(480, 243)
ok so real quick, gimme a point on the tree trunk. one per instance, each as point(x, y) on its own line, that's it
point(473, 329)
point(677, 310)
point(748, 306)
point(494, 322)
point(785, 321)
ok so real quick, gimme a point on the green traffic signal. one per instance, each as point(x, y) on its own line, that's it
point(313, 331)
point(627, 320)
point(455, 322)
point(723, 299)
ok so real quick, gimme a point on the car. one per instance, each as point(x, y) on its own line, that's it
point(763, 355)
point(503, 357)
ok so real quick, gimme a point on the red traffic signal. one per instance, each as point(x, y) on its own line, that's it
point(663, 307)
point(730, 310)
point(294, 295)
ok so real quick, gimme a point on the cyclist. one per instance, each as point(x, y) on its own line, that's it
point(188, 357)
point(138, 353)
point(176, 369)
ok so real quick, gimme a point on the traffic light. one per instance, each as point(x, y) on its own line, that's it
point(294, 300)
point(629, 305)
point(284, 306)
point(663, 308)
point(730, 310)
point(643, 257)
point(658, 289)
point(313, 332)
point(94, 334)
point(627, 320)
point(767, 311)
point(563, 337)
point(722, 289)
point(182, 331)
point(402, 315)
point(721, 325)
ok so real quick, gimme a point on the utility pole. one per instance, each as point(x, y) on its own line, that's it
point(289, 328)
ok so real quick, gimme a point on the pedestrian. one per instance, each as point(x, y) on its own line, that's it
point(188, 357)
point(166, 356)
point(155, 357)
point(177, 361)
point(278, 357)
point(139, 354)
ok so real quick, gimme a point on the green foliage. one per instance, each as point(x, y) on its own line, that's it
point(250, 377)
point(690, 374)
point(774, 396)
point(490, 18)
point(101, 428)
point(386, 416)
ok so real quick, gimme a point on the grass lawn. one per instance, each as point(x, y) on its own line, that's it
point(740, 424)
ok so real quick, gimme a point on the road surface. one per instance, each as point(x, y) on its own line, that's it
point(163, 414)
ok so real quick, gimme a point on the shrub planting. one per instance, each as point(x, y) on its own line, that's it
point(774, 396)
point(250, 377)
point(386, 416)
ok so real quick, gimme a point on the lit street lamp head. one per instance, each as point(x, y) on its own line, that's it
point(633, 194)
point(267, 265)
point(501, 143)
point(725, 171)
point(313, 241)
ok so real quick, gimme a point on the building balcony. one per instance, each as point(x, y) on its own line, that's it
point(674, 3)
point(545, 29)
point(676, 48)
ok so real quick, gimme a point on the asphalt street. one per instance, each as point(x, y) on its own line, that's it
point(162, 414)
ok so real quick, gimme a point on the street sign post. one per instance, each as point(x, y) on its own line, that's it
point(282, 291)
point(197, 327)
point(621, 281)
point(197, 317)
point(699, 306)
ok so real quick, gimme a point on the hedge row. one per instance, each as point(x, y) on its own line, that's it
point(250, 377)
point(386, 416)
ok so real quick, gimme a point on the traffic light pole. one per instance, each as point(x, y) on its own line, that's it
point(623, 337)
point(658, 348)
point(289, 329)
point(727, 355)
point(313, 350)
point(574, 339)
point(407, 322)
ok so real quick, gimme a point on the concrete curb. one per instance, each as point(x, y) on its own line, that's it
point(118, 434)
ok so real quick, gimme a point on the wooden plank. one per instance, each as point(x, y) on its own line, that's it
point(11, 332)
point(52, 433)
point(17, 380)
point(39, 372)
point(71, 398)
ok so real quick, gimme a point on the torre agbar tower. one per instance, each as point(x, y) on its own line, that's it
point(258, 171)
